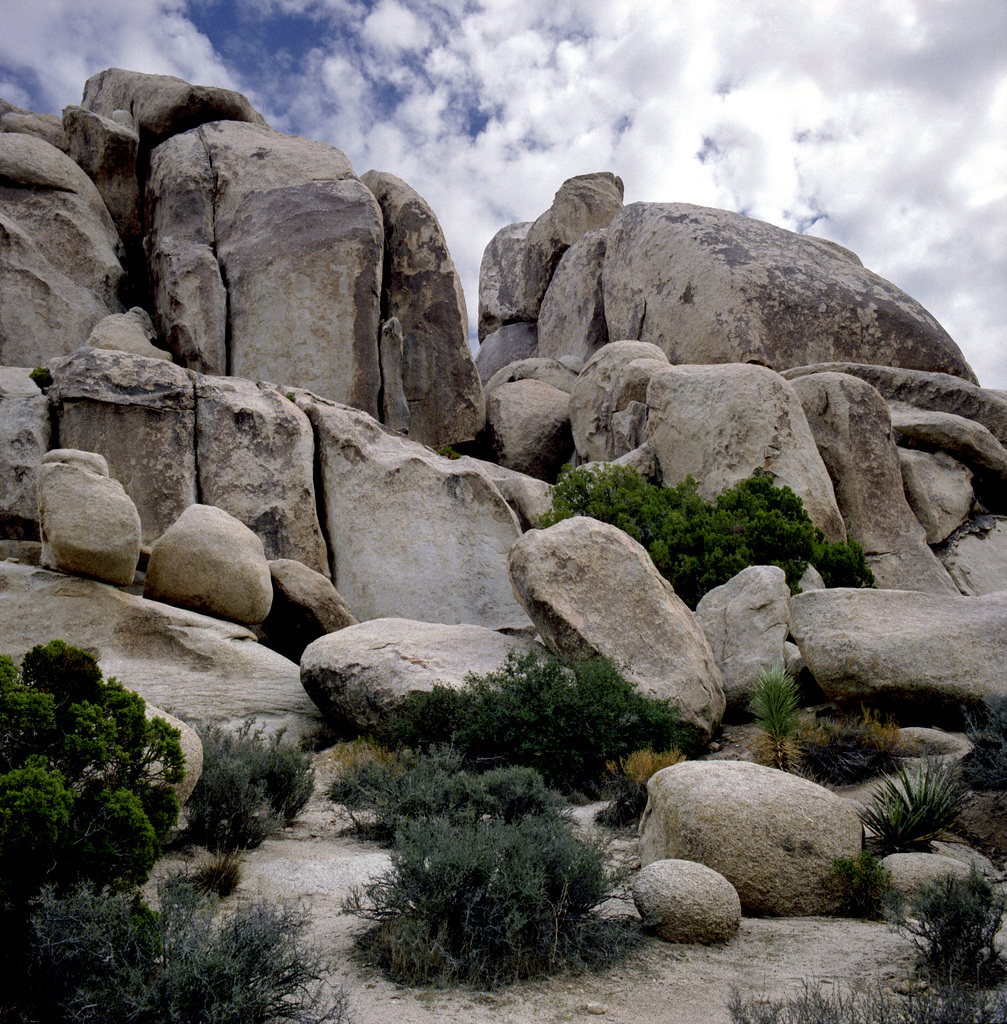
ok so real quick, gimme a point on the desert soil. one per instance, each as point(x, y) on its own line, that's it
point(314, 861)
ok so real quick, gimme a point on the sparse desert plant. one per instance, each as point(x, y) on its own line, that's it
point(489, 902)
point(861, 884)
point(954, 922)
point(776, 708)
point(985, 766)
point(250, 787)
point(849, 750)
point(219, 873)
point(626, 784)
point(911, 809)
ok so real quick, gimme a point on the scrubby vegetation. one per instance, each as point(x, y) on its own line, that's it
point(985, 767)
point(250, 787)
point(776, 708)
point(625, 784)
point(698, 545)
point(861, 885)
point(845, 751)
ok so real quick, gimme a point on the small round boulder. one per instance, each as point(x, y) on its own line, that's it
point(687, 902)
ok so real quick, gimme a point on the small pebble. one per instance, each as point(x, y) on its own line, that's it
point(596, 1008)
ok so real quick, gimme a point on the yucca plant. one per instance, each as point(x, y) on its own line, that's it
point(776, 709)
point(912, 809)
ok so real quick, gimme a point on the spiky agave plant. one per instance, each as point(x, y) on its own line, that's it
point(776, 709)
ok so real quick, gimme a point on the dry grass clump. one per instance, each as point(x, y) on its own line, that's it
point(848, 751)
point(626, 784)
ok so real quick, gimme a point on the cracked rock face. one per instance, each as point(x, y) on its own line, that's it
point(265, 256)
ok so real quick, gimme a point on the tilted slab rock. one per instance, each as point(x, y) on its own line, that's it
point(529, 497)
point(413, 534)
point(423, 290)
point(549, 371)
point(24, 438)
point(208, 561)
point(746, 621)
point(255, 451)
point(504, 346)
point(356, 675)
point(720, 424)
point(87, 523)
point(591, 402)
point(938, 489)
point(60, 269)
point(915, 655)
point(976, 556)
point(47, 127)
point(184, 662)
point(686, 902)
point(582, 203)
point(968, 441)
point(501, 299)
point(591, 590)
point(265, 259)
point(772, 835)
point(130, 332)
point(711, 286)
point(939, 392)
point(161, 105)
point(571, 320)
point(853, 432)
point(528, 427)
point(140, 415)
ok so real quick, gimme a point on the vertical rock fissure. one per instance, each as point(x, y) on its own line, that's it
point(214, 195)
point(197, 479)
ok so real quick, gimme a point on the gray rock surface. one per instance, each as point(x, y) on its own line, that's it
point(47, 127)
point(357, 674)
point(772, 835)
point(938, 489)
point(87, 523)
point(423, 290)
point(60, 269)
point(976, 556)
point(208, 561)
point(710, 286)
point(720, 424)
point(746, 622)
point(501, 300)
point(24, 437)
point(192, 751)
point(130, 332)
point(911, 654)
point(591, 590)
point(549, 371)
point(852, 429)
point(911, 870)
point(686, 902)
point(506, 345)
point(528, 427)
point(140, 415)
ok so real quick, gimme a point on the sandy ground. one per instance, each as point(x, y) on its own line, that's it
point(666, 984)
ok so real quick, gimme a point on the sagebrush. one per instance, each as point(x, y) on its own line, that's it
point(861, 885)
point(985, 766)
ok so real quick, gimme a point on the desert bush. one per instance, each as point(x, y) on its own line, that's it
point(423, 719)
point(377, 796)
point(813, 1006)
point(776, 708)
point(912, 809)
point(985, 766)
point(85, 780)
point(861, 886)
point(954, 923)
point(698, 545)
point(625, 785)
point(250, 787)
point(489, 902)
point(850, 750)
point(219, 873)
point(106, 957)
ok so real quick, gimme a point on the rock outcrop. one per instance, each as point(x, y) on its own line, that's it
point(686, 902)
point(25, 435)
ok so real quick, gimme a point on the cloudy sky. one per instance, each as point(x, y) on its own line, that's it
point(881, 124)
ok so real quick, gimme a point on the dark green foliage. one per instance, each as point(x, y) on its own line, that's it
point(698, 546)
point(861, 885)
point(85, 780)
point(954, 922)
point(41, 377)
point(106, 958)
point(813, 1006)
point(776, 707)
point(423, 719)
point(489, 902)
point(847, 751)
point(566, 723)
point(912, 809)
point(379, 795)
point(627, 799)
point(249, 788)
point(985, 767)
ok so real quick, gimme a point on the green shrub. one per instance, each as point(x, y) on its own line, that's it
point(250, 966)
point(85, 780)
point(849, 751)
point(377, 796)
point(776, 708)
point(861, 885)
point(697, 545)
point(41, 377)
point(911, 810)
point(249, 788)
point(954, 922)
point(985, 766)
point(489, 902)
